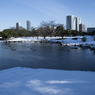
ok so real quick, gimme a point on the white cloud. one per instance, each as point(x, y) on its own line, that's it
point(63, 82)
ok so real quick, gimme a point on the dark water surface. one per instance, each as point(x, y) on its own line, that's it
point(45, 55)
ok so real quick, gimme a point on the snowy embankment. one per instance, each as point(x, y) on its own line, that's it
point(71, 41)
point(65, 41)
point(26, 81)
point(77, 41)
point(68, 41)
point(30, 39)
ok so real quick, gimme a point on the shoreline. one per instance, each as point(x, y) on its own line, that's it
point(66, 41)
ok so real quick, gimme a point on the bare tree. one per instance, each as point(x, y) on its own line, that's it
point(46, 28)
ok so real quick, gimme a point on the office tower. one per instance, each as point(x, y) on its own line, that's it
point(28, 25)
point(71, 22)
point(82, 28)
point(18, 26)
point(78, 21)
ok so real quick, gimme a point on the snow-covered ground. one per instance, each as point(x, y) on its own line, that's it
point(65, 41)
point(31, 39)
point(68, 41)
point(26, 81)
point(71, 41)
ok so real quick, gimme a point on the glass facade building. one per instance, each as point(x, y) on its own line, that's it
point(28, 25)
point(78, 21)
point(18, 26)
point(71, 22)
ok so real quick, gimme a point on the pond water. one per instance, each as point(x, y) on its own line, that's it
point(45, 55)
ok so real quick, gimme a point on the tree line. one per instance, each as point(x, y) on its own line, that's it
point(45, 29)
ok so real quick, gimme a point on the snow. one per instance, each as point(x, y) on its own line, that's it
point(70, 41)
point(27, 81)
point(31, 39)
point(66, 41)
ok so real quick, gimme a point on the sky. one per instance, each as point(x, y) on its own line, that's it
point(36, 11)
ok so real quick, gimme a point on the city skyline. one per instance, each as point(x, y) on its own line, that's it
point(73, 22)
point(36, 11)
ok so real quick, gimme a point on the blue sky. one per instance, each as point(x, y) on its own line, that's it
point(13, 11)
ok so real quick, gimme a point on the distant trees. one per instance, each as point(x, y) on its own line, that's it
point(45, 29)
point(35, 32)
point(23, 33)
point(8, 33)
point(60, 31)
point(75, 33)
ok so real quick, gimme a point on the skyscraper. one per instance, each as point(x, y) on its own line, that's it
point(18, 26)
point(82, 28)
point(78, 21)
point(28, 25)
point(71, 22)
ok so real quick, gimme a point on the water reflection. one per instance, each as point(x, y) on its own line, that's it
point(45, 55)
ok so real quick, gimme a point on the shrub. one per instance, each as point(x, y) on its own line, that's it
point(74, 38)
point(94, 38)
point(84, 39)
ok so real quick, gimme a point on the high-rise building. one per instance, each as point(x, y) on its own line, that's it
point(78, 21)
point(28, 25)
point(71, 22)
point(82, 28)
point(18, 26)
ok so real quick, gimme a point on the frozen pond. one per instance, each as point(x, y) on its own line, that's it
point(45, 55)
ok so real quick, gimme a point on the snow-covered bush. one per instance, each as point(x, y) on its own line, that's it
point(84, 39)
point(94, 38)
